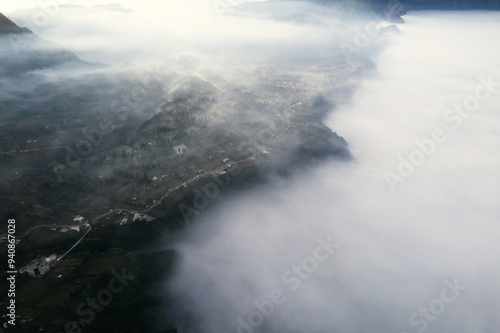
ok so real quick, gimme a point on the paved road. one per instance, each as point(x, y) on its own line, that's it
point(78, 242)
point(130, 211)
point(48, 226)
point(113, 211)
point(30, 150)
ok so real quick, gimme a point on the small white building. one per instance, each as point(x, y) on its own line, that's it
point(180, 149)
point(124, 221)
point(79, 218)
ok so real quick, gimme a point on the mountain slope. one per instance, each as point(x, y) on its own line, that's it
point(22, 51)
point(7, 26)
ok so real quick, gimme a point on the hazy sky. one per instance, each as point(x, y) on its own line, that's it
point(145, 6)
point(174, 14)
point(208, 34)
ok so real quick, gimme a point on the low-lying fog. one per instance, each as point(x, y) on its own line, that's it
point(404, 239)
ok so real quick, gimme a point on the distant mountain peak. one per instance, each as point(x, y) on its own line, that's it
point(7, 26)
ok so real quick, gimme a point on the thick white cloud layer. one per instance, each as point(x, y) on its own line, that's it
point(418, 256)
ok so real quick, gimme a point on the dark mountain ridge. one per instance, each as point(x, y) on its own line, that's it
point(415, 4)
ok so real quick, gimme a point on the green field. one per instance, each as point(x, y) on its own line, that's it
point(52, 298)
point(113, 219)
point(44, 236)
point(105, 262)
point(39, 294)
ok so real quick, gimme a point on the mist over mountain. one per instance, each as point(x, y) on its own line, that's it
point(89, 30)
point(252, 166)
point(96, 135)
point(22, 51)
point(7, 26)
